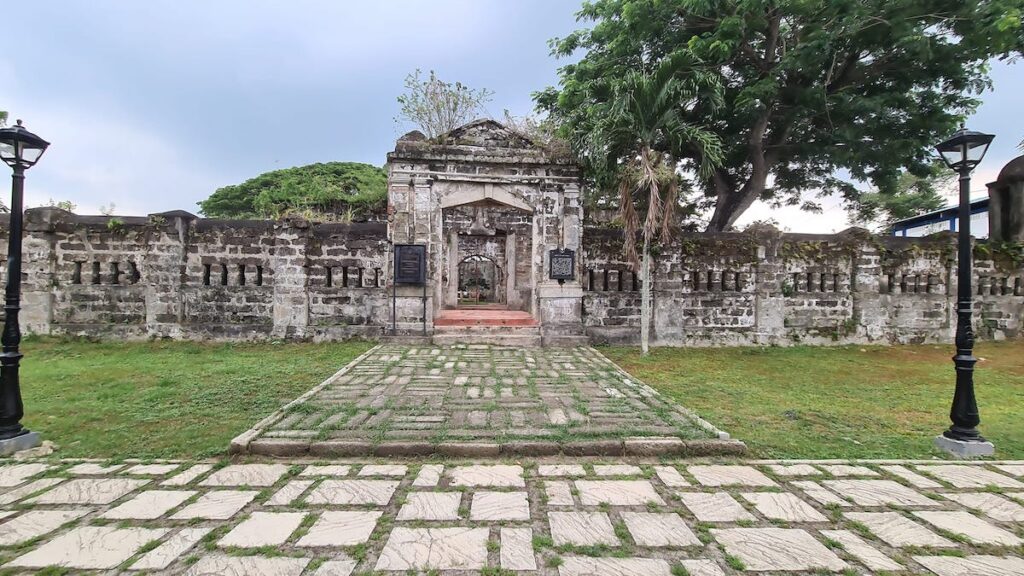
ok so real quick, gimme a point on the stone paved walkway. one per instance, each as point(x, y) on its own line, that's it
point(561, 516)
point(481, 401)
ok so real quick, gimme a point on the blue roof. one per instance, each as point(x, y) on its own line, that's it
point(949, 212)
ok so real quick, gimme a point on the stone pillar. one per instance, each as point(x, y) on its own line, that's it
point(39, 262)
point(561, 303)
point(1006, 203)
point(164, 273)
point(413, 222)
point(868, 313)
point(769, 300)
point(291, 275)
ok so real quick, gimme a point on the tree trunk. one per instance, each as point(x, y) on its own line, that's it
point(732, 203)
point(645, 299)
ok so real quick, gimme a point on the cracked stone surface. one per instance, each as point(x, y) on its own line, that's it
point(659, 529)
point(489, 506)
point(898, 531)
point(246, 475)
point(507, 514)
point(716, 507)
point(89, 491)
point(561, 470)
point(13, 475)
point(781, 506)
point(963, 476)
point(35, 523)
point(517, 549)
point(377, 492)
point(582, 528)
point(868, 555)
point(89, 547)
point(188, 475)
point(969, 526)
point(878, 493)
point(434, 549)
point(498, 475)
point(972, 565)
point(216, 505)
point(992, 505)
point(762, 549)
point(617, 492)
point(730, 476)
point(584, 566)
point(262, 529)
point(794, 470)
point(220, 565)
point(149, 505)
point(341, 528)
point(431, 506)
point(163, 555)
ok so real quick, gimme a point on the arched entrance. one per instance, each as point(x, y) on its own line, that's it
point(480, 281)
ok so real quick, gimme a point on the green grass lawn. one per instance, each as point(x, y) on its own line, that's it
point(164, 399)
point(844, 402)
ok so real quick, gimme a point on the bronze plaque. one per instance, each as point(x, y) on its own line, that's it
point(410, 263)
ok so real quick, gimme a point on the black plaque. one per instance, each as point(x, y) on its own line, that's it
point(410, 263)
point(562, 264)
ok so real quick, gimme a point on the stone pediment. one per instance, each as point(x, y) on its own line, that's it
point(487, 133)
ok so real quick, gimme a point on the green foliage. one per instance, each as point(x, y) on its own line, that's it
point(913, 195)
point(63, 205)
point(330, 191)
point(437, 107)
point(3, 118)
point(809, 87)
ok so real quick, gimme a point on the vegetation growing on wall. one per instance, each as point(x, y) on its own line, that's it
point(437, 107)
point(333, 191)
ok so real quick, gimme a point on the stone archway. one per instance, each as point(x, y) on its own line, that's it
point(480, 281)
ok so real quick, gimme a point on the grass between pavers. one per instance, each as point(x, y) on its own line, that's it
point(164, 399)
point(837, 402)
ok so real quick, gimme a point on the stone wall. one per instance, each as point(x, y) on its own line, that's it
point(175, 275)
point(178, 276)
point(768, 288)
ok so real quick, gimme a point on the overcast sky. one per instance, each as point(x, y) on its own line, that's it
point(153, 105)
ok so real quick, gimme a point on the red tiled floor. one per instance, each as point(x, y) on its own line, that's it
point(484, 317)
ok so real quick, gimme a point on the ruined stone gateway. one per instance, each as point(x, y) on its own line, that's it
point(490, 208)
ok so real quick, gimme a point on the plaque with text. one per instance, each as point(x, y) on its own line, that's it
point(562, 264)
point(410, 263)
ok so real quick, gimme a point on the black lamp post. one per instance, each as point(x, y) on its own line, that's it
point(19, 149)
point(962, 152)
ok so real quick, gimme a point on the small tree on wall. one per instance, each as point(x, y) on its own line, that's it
point(626, 150)
point(437, 107)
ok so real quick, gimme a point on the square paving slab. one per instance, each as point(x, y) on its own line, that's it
point(90, 547)
point(434, 549)
point(763, 549)
point(515, 515)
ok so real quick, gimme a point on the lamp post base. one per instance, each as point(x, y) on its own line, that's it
point(962, 449)
point(18, 443)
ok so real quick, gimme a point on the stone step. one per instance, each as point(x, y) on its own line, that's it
point(498, 339)
point(487, 330)
point(484, 317)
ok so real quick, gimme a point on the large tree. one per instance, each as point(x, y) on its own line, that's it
point(913, 195)
point(330, 191)
point(633, 144)
point(818, 94)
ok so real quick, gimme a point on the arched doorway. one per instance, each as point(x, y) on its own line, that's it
point(480, 281)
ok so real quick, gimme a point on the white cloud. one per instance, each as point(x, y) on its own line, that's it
point(96, 160)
